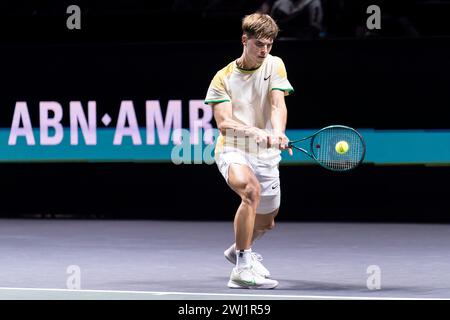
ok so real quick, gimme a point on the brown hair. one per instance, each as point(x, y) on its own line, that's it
point(259, 26)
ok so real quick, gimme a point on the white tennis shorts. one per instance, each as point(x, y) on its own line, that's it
point(267, 175)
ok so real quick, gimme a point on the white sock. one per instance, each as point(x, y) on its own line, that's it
point(243, 258)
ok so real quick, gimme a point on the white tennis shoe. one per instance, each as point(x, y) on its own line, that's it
point(230, 255)
point(248, 278)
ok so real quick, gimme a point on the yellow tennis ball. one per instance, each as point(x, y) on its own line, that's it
point(342, 147)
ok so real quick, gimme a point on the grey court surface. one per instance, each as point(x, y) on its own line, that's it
point(116, 259)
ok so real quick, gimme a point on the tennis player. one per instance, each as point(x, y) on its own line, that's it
point(248, 101)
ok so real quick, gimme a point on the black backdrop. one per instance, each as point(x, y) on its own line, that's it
point(370, 83)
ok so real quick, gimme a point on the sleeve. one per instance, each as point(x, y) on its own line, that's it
point(217, 91)
point(279, 79)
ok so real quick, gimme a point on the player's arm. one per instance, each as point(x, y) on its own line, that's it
point(278, 119)
point(223, 116)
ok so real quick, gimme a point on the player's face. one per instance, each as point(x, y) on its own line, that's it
point(258, 49)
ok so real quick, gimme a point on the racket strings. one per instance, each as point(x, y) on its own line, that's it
point(324, 146)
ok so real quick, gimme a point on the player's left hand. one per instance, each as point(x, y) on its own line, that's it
point(280, 140)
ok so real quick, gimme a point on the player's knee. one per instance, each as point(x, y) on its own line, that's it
point(251, 194)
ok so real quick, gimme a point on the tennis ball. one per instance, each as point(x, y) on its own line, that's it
point(341, 147)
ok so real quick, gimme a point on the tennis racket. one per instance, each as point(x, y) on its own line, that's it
point(337, 148)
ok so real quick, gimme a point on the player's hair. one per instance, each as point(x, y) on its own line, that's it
point(259, 26)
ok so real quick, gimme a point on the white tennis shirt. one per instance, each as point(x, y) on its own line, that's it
point(249, 94)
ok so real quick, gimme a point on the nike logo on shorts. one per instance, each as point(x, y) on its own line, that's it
point(275, 186)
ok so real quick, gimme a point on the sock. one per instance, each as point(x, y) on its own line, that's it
point(243, 258)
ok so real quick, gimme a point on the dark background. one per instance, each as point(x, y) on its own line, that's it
point(188, 20)
point(392, 79)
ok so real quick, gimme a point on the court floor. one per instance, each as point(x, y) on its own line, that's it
point(117, 259)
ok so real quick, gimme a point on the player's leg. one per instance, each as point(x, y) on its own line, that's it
point(270, 199)
point(243, 181)
point(263, 223)
point(269, 203)
point(268, 177)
